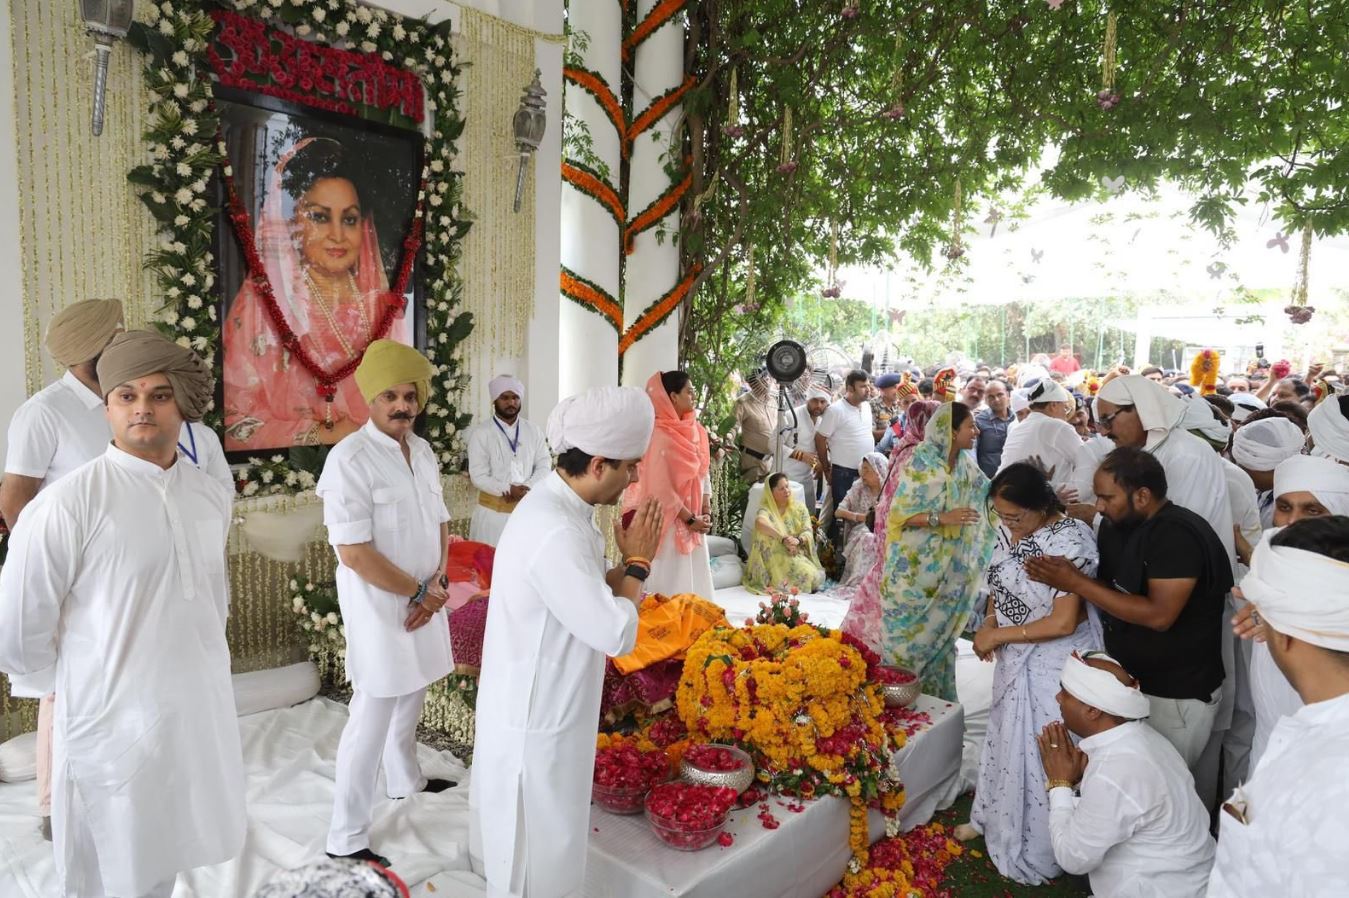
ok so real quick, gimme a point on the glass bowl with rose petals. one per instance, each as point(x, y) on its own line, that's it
point(711, 764)
point(688, 816)
point(624, 775)
point(899, 687)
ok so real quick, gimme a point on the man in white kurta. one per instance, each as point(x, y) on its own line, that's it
point(200, 445)
point(507, 455)
point(56, 430)
point(1136, 829)
point(1045, 436)
point(1283, 832)
point(385, 512)
point(115, 582)
point(554, 616)
point(799, 462)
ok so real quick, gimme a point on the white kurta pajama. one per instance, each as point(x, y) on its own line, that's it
point(372, 495)
point(116, 576)
point(551, 622)
point(1297, 813)
point(494, 465)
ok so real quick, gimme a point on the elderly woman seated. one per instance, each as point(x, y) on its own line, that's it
point(782, 551)
point(859, 540)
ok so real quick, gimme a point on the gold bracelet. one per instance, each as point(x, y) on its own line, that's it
point(1055, 784)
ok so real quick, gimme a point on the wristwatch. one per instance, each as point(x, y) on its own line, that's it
point(933, 519)
point(637, 572)
point(690, 520)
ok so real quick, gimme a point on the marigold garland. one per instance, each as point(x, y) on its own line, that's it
point(658, 109)
point(1204, 372)
point(657, 312)
point(660, 207)
point(588, 182)
point(594, 84)
point(592, 296)
point(660, 14)
point(800, 700)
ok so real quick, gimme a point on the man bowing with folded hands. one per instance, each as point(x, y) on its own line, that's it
point(386, 519)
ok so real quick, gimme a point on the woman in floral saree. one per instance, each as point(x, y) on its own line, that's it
point(782, 551)
point(938, 540)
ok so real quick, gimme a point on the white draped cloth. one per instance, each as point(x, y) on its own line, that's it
point(1139, 829)
point(1010, 807)
point(1297, 813)
point(115, 583)
point(493, 466)
point(550, 624)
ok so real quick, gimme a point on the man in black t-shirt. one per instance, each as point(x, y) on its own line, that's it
point(1164, 578)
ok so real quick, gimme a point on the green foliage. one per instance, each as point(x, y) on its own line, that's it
point(893, 108)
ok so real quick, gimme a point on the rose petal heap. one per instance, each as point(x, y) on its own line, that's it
point(623, 775)
point(893, 676)
point(687, 816)
point(712, 757)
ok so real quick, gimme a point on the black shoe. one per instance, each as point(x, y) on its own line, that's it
point(439, 785)
point(365, 855)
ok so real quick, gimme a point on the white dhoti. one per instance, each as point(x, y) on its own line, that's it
point(674, 573)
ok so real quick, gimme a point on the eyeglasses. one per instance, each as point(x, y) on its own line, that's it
point(1011, 520)
point(1106, 420)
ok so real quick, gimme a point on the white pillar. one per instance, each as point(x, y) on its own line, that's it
point(653, 266)
point(588, 344)
point(1142, 338)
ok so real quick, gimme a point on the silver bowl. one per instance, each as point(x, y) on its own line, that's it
point(901, 695)
point(739, 780)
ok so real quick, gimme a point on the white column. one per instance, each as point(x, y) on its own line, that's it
point(588, 344)
point(1142, 338)
point(653, 267)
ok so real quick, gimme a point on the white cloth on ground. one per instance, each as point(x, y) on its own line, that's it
point(1138, 830)
point(116, 577)
point(372, 495)
point(1261, 445)
point(378, 728)
point(847, 429)
point(1052, 441)
point(1297, 812)
point(1010, 806)
point(551, 622)
point(493, 467)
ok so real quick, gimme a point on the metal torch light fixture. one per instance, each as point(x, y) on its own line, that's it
point(107, 22)
point(529, 123)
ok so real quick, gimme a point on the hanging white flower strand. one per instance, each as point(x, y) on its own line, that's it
point(1106, 97)
point(956, 248)
point(732, 127)
point(751, 281)
point(1298, 311)
point(896, 110)
point(786, 162)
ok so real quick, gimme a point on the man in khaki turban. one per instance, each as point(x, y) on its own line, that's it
point(114, 588)
point(59, 428)
point(388, 524)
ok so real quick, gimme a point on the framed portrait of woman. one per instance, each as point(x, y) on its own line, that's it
point(330, 199)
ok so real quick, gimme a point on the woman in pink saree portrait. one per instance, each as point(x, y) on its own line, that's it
point(318, 245)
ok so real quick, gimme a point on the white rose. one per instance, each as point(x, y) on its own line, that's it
point(183, 169)
point(368, 47)
point(332, 617)
point(180, 91)
point(267, 476)
point(302, 29)
point(363, 14)
point(189, 323)
point(169, 317)
point(319, 14)
point(181, 220)
point(194, 302)
point(343, 28)
point(183, 196)
point(187, 344)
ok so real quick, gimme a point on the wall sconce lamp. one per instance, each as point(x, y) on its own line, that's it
point(107, 22)
point(529, 123)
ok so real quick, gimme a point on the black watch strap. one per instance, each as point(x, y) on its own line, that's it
point(637, 572)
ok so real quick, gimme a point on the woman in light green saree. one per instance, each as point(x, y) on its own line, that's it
point(938, 540)
point(782, 551)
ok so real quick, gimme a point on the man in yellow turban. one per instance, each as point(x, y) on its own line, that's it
point(59, 428)
point(115, 590)
point(388, 524)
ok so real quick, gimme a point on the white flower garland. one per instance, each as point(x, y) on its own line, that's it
point(181, 144)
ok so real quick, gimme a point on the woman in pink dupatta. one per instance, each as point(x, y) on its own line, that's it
point(863, 619)
point(675, 471)
point(322, 259)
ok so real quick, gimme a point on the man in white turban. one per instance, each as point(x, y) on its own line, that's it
point(1136, 827)
point(1282, 833)
point(1328, 424)
point(1045, 437)
point(555, 614)
point(506, 456)
point(1245, 405)
point(1304, 487)
point(1258, 447)
point(800, 463)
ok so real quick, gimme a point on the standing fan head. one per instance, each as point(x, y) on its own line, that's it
point(786, 361)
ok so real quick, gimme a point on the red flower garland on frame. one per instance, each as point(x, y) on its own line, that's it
point(257, 274)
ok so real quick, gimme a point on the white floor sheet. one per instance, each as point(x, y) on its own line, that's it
point(288, 761)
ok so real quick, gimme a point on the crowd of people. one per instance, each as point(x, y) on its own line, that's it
point(1157, 565)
